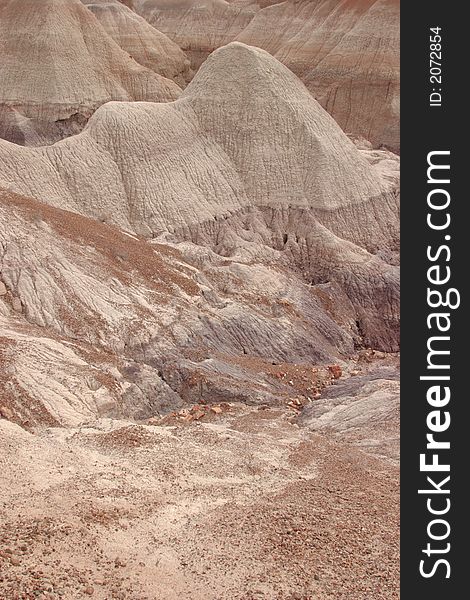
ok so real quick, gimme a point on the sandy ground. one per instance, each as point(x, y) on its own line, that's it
point(241, 505)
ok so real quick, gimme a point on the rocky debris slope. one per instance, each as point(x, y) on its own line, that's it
point(247, 164)
point(98, 321)
point(58, 65)
point(246, 505)
point(145, 44)
point(347, 53)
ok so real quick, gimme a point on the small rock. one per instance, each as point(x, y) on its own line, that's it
point(92, 383)
point(198, 414)
point(216, 409)
point(89, 590)
point(119, 562)
point(335, 370)
point(6, 413)
point(15, 561)
point(17, 305)
point(3, 288)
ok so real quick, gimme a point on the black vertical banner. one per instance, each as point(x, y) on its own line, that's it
point(435, 255)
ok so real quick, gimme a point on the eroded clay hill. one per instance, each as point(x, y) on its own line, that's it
point(247, 165)
point(145, 44)
point(59, 65)
point(197, 26)
point(347, 53)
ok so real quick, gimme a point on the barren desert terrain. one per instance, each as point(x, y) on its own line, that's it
point(199, 299)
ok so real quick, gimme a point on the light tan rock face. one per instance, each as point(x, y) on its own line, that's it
point(247, 164)
point(58, 65)
point(347, 53)
point(146, 45)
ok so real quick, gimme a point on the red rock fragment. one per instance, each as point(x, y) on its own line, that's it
point(335, 370)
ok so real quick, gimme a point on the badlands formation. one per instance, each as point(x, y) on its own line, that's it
point(199, 313)
point(58, 65)
point(346, 53)
point(145, 44)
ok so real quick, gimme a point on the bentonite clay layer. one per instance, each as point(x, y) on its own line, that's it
point(145, 44)
point(60, 62)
